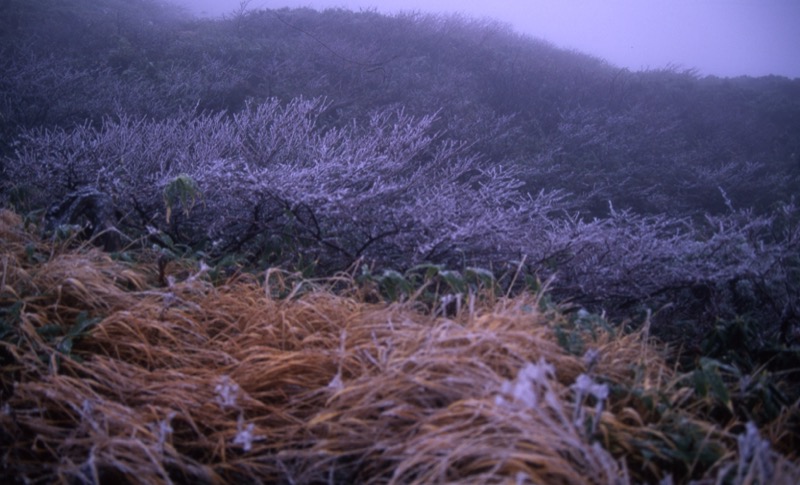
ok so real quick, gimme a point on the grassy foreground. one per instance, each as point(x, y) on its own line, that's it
point(109, 377)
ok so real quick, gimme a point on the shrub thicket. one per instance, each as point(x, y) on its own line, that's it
point(318, 140)
point(439, 159)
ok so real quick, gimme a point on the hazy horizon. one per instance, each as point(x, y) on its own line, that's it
point(726, 38)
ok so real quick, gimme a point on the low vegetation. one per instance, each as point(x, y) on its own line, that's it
point(303, 246)
point(110, 377)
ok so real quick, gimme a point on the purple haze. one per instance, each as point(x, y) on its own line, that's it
point(715, 37)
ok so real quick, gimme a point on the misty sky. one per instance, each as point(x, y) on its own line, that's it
point(716, 37)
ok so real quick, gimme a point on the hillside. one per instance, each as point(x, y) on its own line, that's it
point(432, 160)
point(652, 141)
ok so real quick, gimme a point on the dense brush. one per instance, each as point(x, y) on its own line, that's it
point(225, 383)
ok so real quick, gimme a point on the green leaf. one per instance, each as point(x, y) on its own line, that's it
point(454, 280)
point(429, 271)
point(65, 345)
point(9, 319)
point(168, 242)
point(183, 191)
point(32, 255)
point(82, 325)
point(394, 284)
point(708, 382)
point(481, 276)
point(50, 331)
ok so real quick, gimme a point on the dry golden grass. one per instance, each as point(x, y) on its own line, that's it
point(196, 383)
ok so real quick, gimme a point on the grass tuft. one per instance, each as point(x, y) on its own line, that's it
point(109, 377)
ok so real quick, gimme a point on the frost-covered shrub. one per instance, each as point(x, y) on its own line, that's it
point(390, 190)
point(275, 184)
point(703, 271)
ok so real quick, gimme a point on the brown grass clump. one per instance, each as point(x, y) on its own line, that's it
point(107, 379)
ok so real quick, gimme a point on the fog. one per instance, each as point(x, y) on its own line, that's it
point(715, 37)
